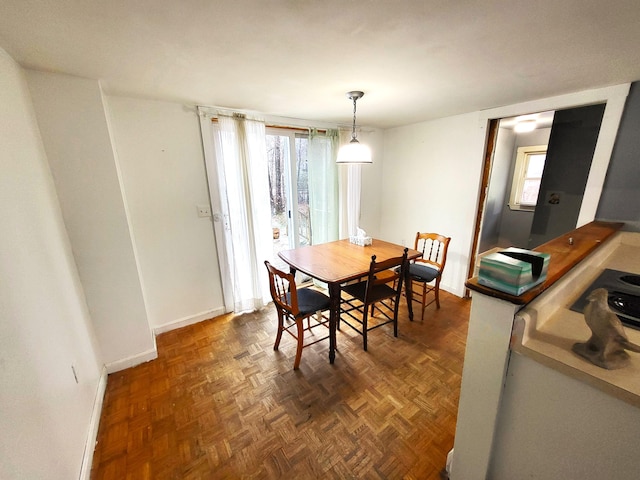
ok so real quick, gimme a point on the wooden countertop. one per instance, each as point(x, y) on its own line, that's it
point(564, 256)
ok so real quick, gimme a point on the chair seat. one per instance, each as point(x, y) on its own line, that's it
point(310, 301)
point(377, 293)
point(423, 272)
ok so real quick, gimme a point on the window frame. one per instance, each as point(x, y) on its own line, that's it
point(519, 175)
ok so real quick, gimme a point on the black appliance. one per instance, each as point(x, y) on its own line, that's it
point(624, 295)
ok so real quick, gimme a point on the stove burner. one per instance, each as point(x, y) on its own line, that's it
point(631, 280)
point(625, 304)
point(623, 298)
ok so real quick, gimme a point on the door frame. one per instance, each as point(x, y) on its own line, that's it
point(615, 99)
point(492, 135)
point(290, 180)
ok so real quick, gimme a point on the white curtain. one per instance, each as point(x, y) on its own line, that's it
point(350, 187)
point(323, 186)
point(244, 196)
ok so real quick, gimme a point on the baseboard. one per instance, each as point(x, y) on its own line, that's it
point(153, 353)
point(92, 435)
point(190, 320)
point(133, 360)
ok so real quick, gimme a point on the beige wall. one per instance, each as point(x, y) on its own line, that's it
point(71, 117)
point(431, 174)
point(45, 326)
point(163, 172)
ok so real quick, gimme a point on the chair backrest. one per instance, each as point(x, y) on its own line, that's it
point(434, 249)
point(393, 275)
point(283, 289)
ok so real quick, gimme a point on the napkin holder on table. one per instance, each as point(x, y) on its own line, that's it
point(361, 238)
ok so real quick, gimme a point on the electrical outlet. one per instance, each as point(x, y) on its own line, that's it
point(204, 210)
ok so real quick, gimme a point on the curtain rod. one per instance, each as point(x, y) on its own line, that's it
point(284, 127)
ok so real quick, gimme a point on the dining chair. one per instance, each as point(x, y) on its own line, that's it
point(426, 272)
point(382, 291)
point(293, 306)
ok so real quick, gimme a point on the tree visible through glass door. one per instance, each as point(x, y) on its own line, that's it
point(288, 190)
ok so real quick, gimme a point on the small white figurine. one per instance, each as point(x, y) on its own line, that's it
point(608, 342)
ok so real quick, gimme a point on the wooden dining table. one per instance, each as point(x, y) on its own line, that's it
point(341, 261)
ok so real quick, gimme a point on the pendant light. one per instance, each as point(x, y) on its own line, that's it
point(354, 151)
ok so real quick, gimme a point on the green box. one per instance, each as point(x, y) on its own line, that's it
point(513, 270)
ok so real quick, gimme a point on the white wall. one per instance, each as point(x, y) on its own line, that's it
point(554, 426)
point(76, 138)
point(160, 154)
point(431, 175)
point(370, 197)
point(45, 326)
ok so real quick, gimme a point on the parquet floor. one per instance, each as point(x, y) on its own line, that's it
point(219, 403)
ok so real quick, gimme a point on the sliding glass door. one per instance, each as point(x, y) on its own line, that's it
point(288, 189)
point(271, 189)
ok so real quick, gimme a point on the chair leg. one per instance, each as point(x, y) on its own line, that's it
point(395, 315)
point(300, 325)
point(437, 292)
point(280, 330)
point(424, 299)
point(364, 328)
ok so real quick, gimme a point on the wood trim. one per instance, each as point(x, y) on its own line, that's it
point(486, 172)
point(296, 129)
point(283, 127)
point(565, 254)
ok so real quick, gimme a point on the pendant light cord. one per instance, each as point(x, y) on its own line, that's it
point(353, 132)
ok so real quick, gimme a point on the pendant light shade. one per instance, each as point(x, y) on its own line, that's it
point(354, 151)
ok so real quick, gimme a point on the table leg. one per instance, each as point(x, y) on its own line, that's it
point(292, 271)
point(408, 291)
point(334, 295)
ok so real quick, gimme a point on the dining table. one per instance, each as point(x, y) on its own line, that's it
point(338, 262)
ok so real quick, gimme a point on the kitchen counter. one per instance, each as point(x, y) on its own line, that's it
point(528, 404)
point(546, 329)
point(566, 252)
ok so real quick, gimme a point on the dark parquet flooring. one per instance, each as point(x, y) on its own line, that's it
point(219, 403)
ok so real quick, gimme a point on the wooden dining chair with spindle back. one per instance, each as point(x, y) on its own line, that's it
point(383, 291)
point(426, 271)
point(294, 305)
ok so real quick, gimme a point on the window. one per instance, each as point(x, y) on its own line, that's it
point(527, 176)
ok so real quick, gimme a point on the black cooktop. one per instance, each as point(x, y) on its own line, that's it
point(624, 295)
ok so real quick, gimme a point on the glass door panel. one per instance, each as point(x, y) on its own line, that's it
point(278, 157)
point(302, 184)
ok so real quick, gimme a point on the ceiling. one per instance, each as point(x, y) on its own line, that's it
point(541, 119)
point(415, 60)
